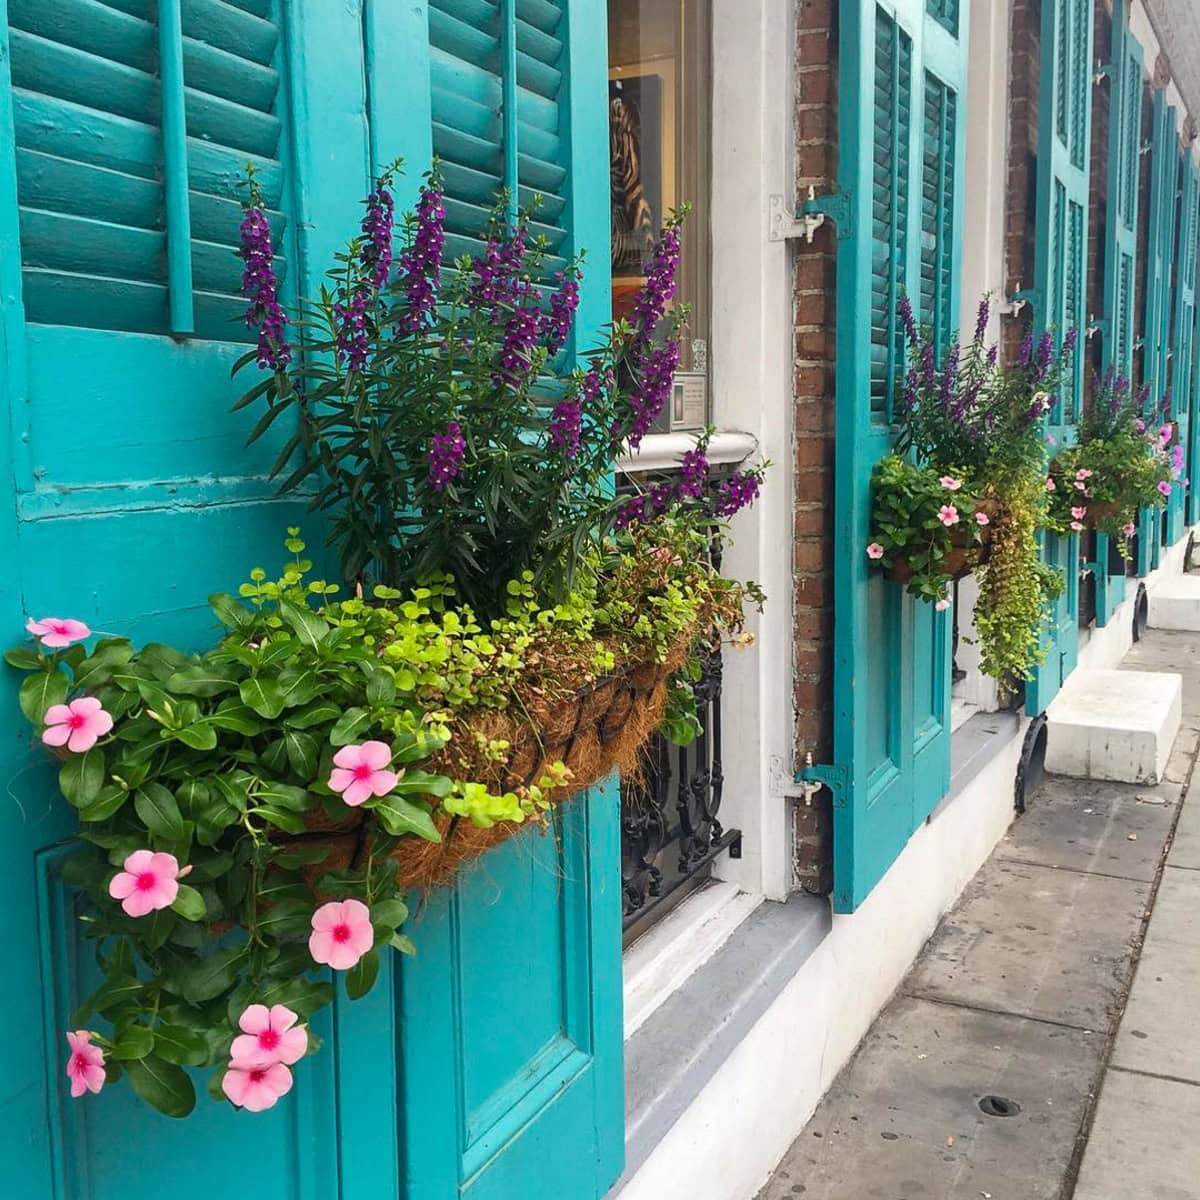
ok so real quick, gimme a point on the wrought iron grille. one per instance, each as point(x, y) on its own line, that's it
point(670, 825)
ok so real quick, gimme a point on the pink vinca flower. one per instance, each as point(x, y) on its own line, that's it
point(1079, 513)
point(360, 772)
point(1083, 473)
point(1140, 425)
point(950, 483)
point(942, 604)
point(149, 882)
point(981, 518)
point(1080, 485)
point(55, 632)
point(1166, 433)
point(341, 933)
point(78, 725)
point(1050, 484)
point(874, 550)
point(1164, 487)
point(256, 1088)
point(948, 514)
point(1130, 529)
point(85, 1067)
point(269, 1035)
point(1051, 440)
point(1077, 526)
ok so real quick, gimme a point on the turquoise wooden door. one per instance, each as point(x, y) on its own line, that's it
point(1060, 275)
point(493, 1062)
point(1120, 251)
point(902, 132)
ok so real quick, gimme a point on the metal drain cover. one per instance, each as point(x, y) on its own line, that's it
point(999, 1106)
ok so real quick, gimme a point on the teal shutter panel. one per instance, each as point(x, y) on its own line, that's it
point(1060, 274)
point(133, 226)
point(945, 12)
point(1183, 340)
point(901, 166)
point(1120, 251)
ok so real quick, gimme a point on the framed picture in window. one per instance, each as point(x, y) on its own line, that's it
point(641, 111)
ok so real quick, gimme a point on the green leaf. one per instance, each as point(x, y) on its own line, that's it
point(302, 856)
point(413, 745)
point(231, 612)
point(360, 979)
point(309, 628)
point(180, 1045)
point(286, 916)
point(299, 685)
point(24, 658)
point(421, 783)
point(353, 722)
point(201, 980)
point(389, 914)
point(200, 680)
point(189, 904)
point(303, 996)
point(289, 822)
point(264, 695)
point(136, 1042)
point(200, 736)
point(317, 714)
point(381, 687)
point(405, 945)
point(81, 777)
point(162, 1085)
point(159, 812)
point(239, 718)
point(399, 816)
point(303, 750)
point(107, 656)
point(40, 692)
point(109, 800)
point(283, 795)
point(114, 991)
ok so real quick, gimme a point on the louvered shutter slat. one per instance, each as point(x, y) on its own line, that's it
point(218, 73)
point(91, 26)
point(231, 29)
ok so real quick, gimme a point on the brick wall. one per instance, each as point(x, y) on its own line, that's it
point(813, 420)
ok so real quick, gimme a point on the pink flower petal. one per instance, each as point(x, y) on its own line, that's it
point(320, 945)
point(122, 885)
point(138, 903)
point(355, 912)
point(56, 714)
point(293, 1046)
point(56, 735)
point(234, 1084)
point(348, 756)
point(382, 782)
point(357, 792)
point(255, 1019)
point(139, 862)
point(343, 956)
point(340, 778)
point(81, 741)
point(376, 755)
point(37, 628)
point(282, 1018)
point(86, 705)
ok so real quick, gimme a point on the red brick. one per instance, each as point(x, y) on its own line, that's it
point(815, 48)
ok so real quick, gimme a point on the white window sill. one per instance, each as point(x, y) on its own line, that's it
point(661, 451)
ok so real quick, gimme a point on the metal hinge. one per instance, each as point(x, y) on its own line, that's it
point(1092, 568)
point(1104, 71)
point(1099, 325)
point(785, 226)
point(812, 777)
point(1021, 297)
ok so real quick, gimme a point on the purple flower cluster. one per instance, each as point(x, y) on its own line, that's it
point(368, 269)
point(908, 320)
point(556, 325)
point(377, 234)
point(981, 320)
point(446, 451)
point(260, 286)
point(497, 271)
point(520, 338)
point(566, 423)
point(659, 289)
point(1045, 351)
point(353, 338)
point(421, 262)
point(736, 493)
point(949, 379)
point(653, 389)
point(1025, 355)
point(693, 473)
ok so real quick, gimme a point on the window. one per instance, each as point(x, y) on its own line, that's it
point(660, 98)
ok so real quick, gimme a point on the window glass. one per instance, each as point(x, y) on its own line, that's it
point(659, 122)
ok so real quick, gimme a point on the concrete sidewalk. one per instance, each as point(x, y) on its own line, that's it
point(980, 1079)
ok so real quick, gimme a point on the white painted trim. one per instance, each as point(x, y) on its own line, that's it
point(661, 451)
point(752, 387)
point(659, 962)
point(761, 1097)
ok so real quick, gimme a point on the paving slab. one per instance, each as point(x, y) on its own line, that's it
point(1037, 942)
point(1158, 1032)
point(1163, 650)
point(1143, 1143)
point(903, 1120)
point(1088, 827)
point(1185, 846)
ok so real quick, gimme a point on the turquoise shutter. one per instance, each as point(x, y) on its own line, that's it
point(1183, 343)
point(1060, 274)
point(131, 226)
point(902, 135)
point(1164, 170)
point(523, 1100)
point(1121, 249)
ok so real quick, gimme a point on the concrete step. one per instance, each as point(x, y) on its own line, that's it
point(1116, 725)
point(1175, 603)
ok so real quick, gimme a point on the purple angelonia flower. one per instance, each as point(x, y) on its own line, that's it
point(660, 286)
point(497, 272)
point(950, 379)
point(377, 234)
point(566, 422)
point(520, 338)
point(693, 473)
point(657, 375)
point(556, 325)
point(1045, 351)
point(421, 262)
point(353, 337)
point(260, 286)
point(736, 493)
point(981, 319)
point(445, 456)
point(907, 319)
point(1069, 342)
point(912, 382)
point(928, 368)
point(1025, 355)
point(993, 355)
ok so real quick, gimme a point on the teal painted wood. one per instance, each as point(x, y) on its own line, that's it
point(903, 74)
point(174, 131)
point(1183, 348)
point(1121, 249)
point(1060, 274)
